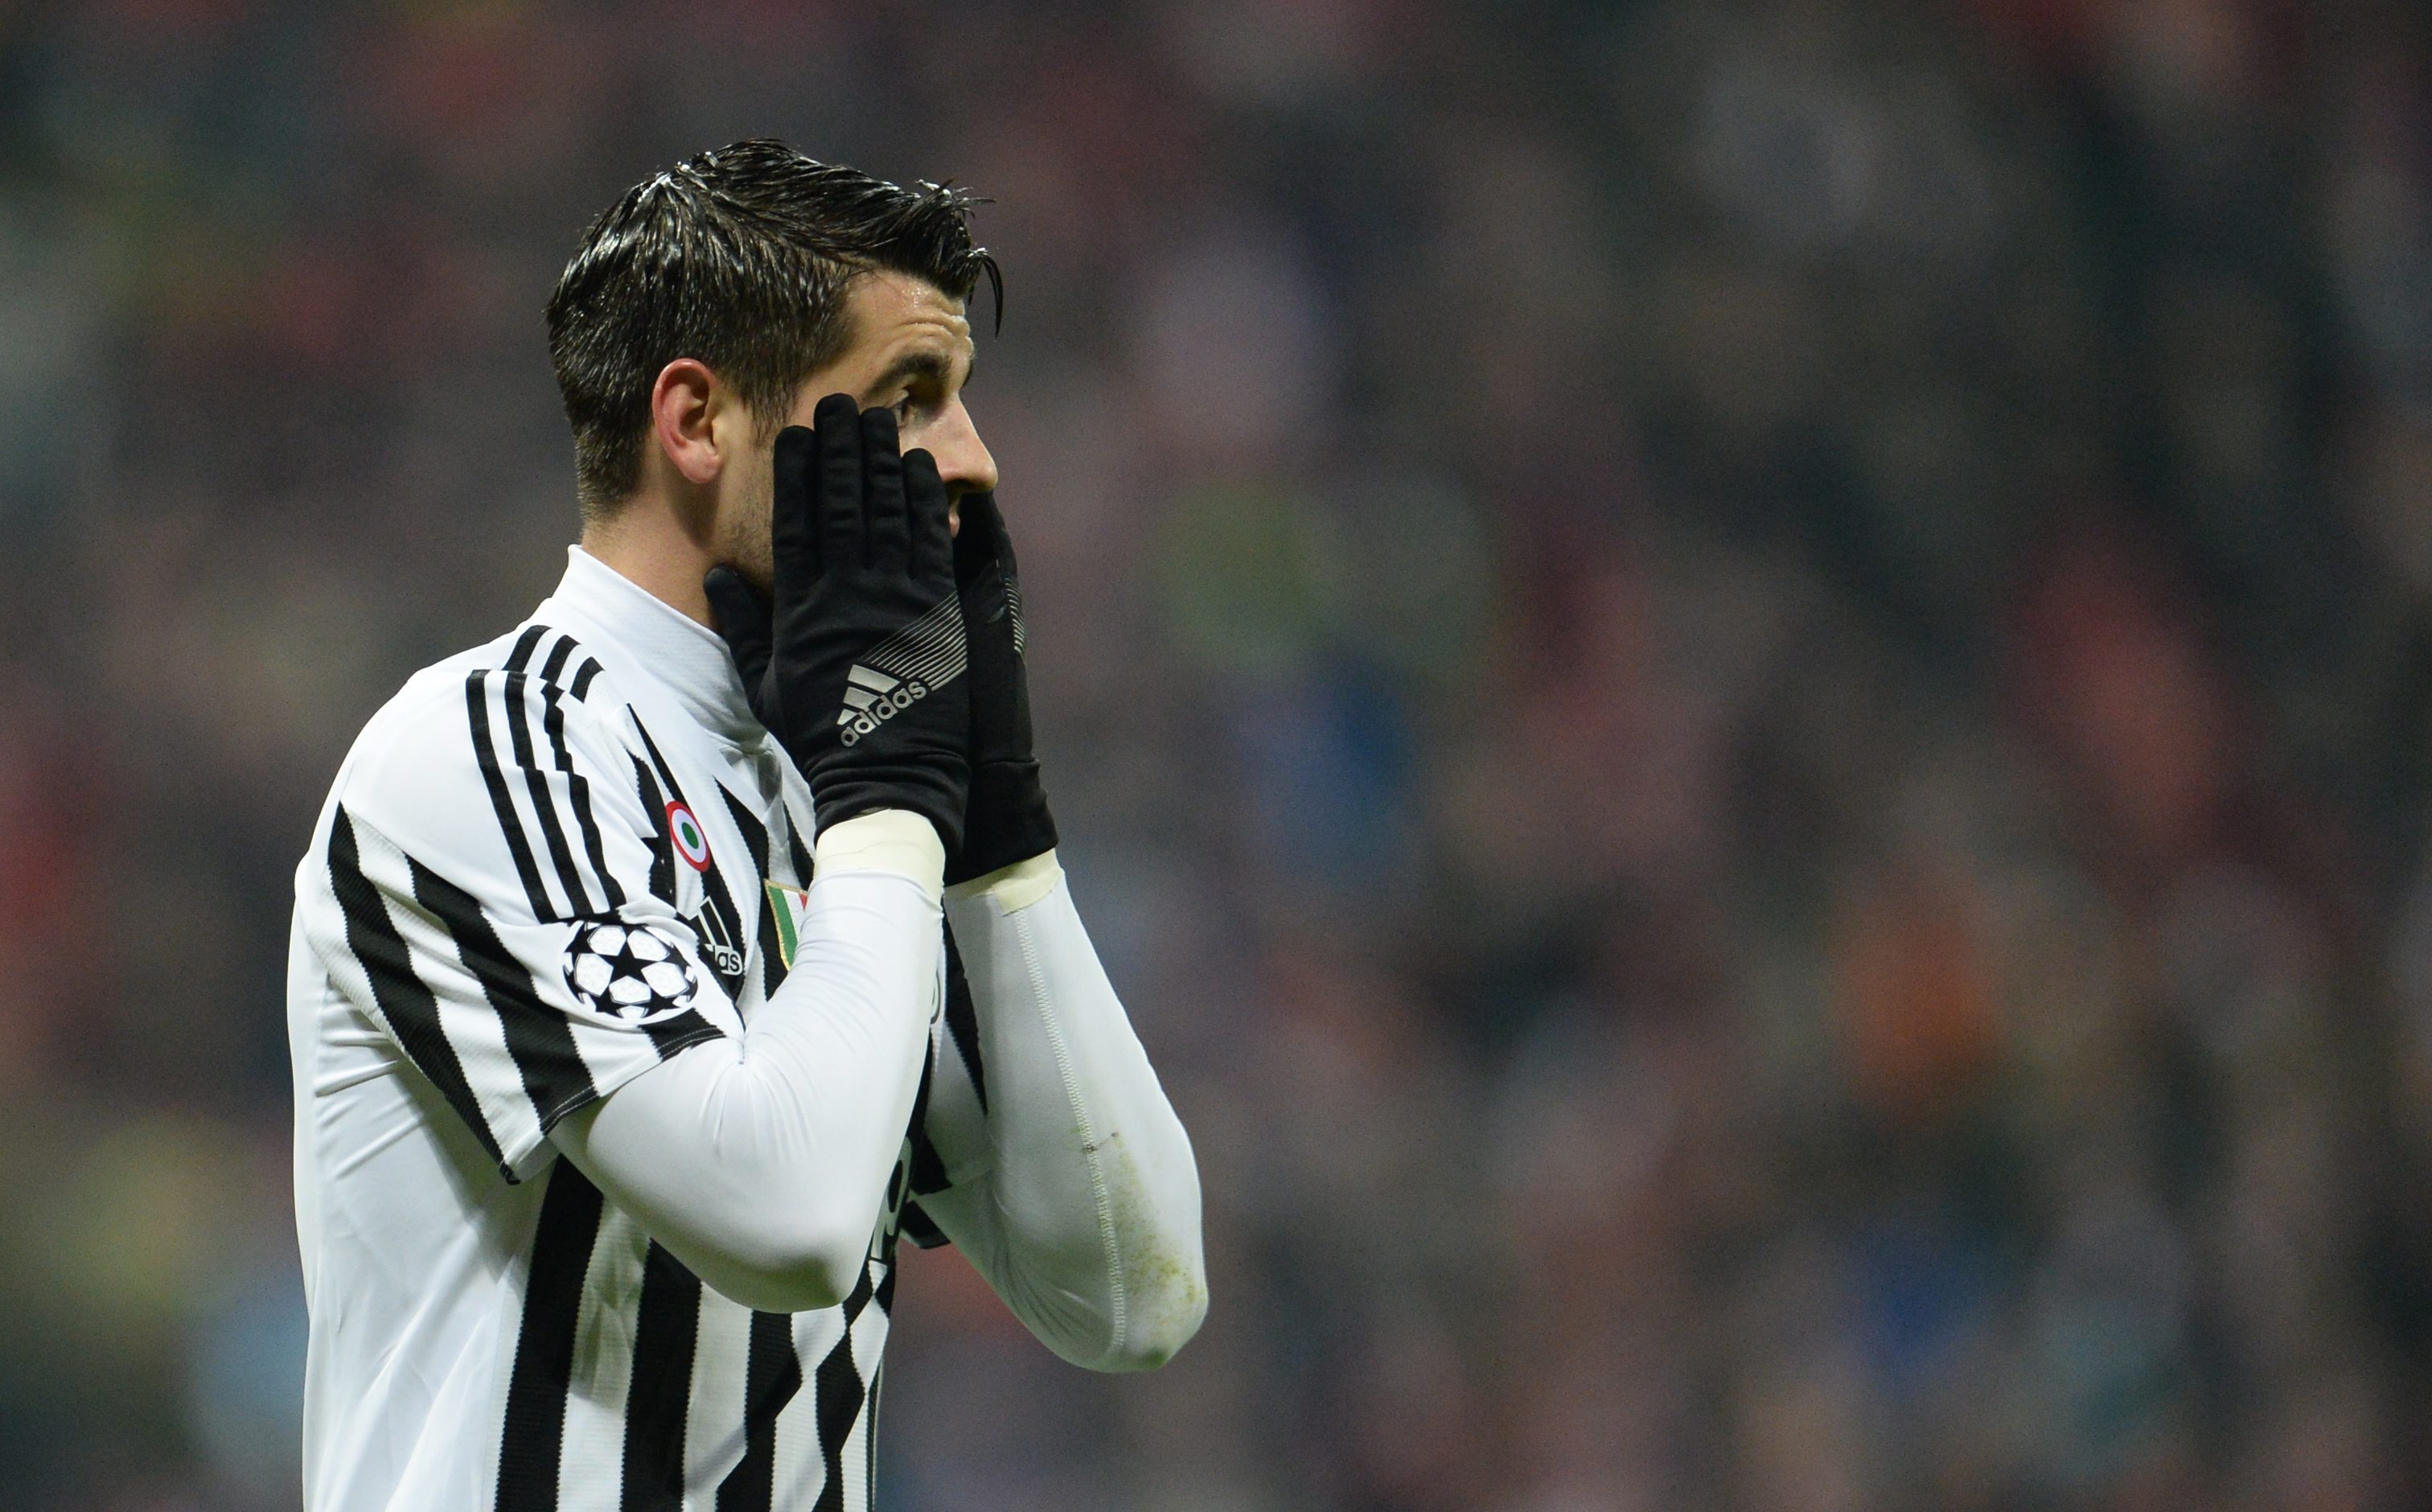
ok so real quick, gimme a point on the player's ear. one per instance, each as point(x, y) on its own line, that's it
point(689, 419)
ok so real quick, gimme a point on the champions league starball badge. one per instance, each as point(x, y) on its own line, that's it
point(629, 973)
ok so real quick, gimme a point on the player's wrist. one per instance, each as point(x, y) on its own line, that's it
point(1006, 821)
point(934, 785)
point(1014, 887)
point(896, 840)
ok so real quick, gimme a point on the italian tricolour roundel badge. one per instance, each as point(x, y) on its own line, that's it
point(690, 843)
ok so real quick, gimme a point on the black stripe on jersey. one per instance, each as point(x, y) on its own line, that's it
point(582, 676)
point(772, 1376)
point(718, 903)
point(755, 834)
point(869, 1426)
point(517, 687)
point(664, 1328)
point(558, 656)
point(885, 1298)
point(963, 1020)
point(526, 643)
point(927, 1171)
point(578, 792)
point(915, 1224)
point(538, 1036)
point(663, 854)
point(755, 839)
point(663, 876)
point(801, 857)
point(839, 1393)
point(534, 1431)
point(403, 999)
point(485, 752)
point(658, 761)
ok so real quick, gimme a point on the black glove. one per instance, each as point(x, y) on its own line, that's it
point(857, 666)
point(1007, 820)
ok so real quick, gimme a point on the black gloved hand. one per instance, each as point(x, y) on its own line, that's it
point(1007, 820)
point(857, 666)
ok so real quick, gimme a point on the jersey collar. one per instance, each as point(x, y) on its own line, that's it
point(684, 657)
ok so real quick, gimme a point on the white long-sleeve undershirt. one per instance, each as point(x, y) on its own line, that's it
point(1081, 1207)
point(763, 1163)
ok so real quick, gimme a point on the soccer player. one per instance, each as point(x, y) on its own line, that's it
point(629, 1036)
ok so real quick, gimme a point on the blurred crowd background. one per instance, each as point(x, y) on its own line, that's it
point(1742, 691)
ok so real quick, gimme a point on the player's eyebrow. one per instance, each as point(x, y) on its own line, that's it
point(921, 362)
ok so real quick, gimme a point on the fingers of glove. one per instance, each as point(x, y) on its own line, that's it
point(793, 533)
point(975, 543)
point(979, 574)
point(1012, 575)
point(1005, 554)
point(743, 623)
point(928, 511)
point(882, 472)
point(843, 533)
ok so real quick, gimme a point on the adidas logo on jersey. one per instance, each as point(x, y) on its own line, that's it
point(717, 944)
point(872, 697)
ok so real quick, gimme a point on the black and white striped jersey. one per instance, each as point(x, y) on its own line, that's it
point(547, 865)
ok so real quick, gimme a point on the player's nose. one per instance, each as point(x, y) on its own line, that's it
point(963, 459)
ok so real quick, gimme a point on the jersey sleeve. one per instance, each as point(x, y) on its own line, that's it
point(496, 902)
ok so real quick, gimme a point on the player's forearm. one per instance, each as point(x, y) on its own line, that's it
point(1089, 1221)
point(762, 1164)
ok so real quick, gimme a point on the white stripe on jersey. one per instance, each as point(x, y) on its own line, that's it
point(590, 1464)
point(714, 1409)
point(868, 1341)
point(802, 1451)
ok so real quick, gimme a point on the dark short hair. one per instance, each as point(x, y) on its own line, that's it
point(739, 258)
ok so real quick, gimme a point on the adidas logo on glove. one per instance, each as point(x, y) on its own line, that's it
point(900, 670)
point(872, 698)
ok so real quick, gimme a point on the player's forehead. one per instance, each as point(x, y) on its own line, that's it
point(895, 317)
